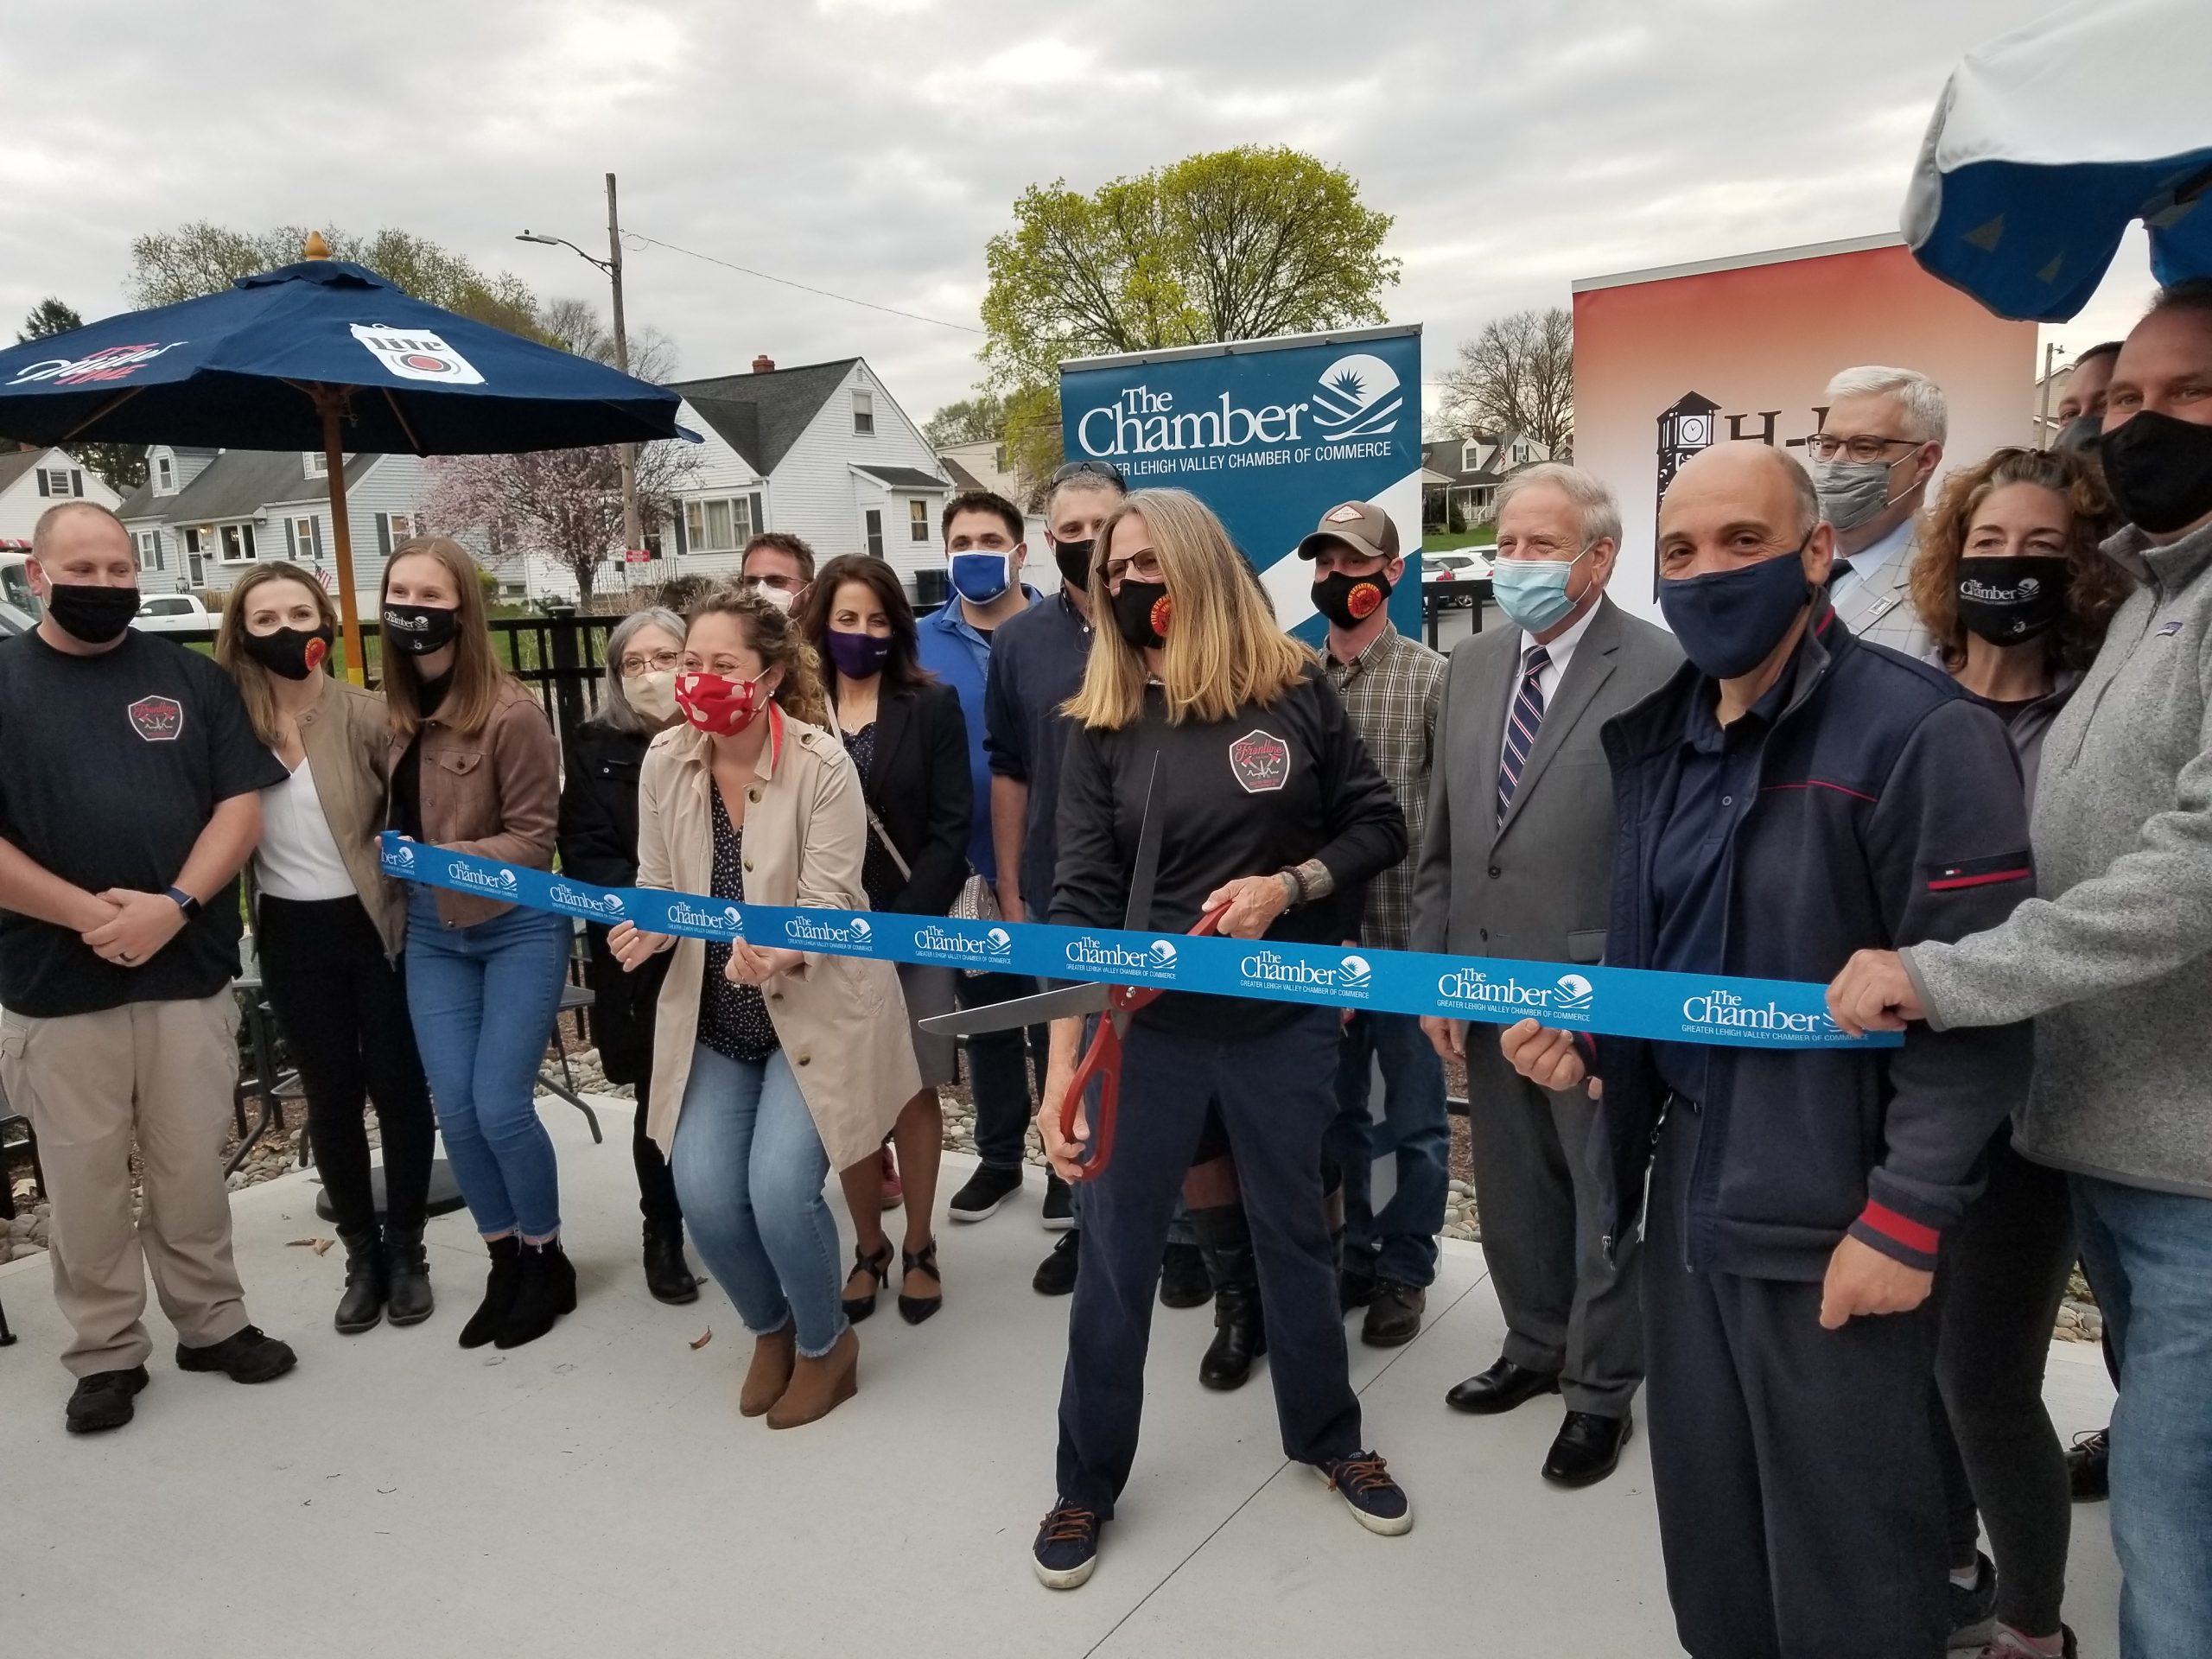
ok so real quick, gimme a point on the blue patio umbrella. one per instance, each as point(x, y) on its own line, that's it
point(2047, 144)
point(321, 355)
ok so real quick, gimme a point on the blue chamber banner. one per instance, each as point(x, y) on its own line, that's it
point(1270, 434)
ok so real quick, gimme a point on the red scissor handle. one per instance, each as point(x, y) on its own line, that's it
point(1102, 1065)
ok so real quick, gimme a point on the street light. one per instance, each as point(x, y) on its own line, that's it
point(633, 532)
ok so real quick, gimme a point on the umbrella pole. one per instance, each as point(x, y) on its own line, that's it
point(334, 460)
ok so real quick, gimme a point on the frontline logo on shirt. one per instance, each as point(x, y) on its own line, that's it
point(1261, 762)
point(158, 720)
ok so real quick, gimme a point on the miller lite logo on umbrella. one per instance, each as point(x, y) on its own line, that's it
point(417, 354)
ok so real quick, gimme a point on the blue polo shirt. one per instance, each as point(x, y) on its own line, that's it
point(1716, 781)
point(958, 653)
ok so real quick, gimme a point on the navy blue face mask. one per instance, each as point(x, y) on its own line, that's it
point(1728, 621)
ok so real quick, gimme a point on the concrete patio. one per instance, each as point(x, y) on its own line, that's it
point(597, 1493)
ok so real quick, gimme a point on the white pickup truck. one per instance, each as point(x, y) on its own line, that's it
point(174, 613)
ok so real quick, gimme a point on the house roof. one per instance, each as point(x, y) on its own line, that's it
point(1444, 456)
point(761, 416)
point(238, 484)
point(902, 478)
point(962, 480)
point(13, 467)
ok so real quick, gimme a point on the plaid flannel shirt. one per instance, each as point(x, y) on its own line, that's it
point(1392, 691)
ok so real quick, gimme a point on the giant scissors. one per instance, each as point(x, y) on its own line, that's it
point(1102, 1063)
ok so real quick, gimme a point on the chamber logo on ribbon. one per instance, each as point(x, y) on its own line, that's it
point(1720, 1010)
point(579, 902)
point(498, 882)
point(1570, 997)
point(994, 948)
point(727, 923)
point(1097, 955)
point(852, 934)
point(1351, 977)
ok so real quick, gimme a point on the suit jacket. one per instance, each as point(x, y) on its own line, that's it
point(1534, 887)
point(1882, 610)
point(919, 785)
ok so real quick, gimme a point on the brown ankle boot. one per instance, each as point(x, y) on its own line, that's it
point(770, 1373)
point(820, 1385)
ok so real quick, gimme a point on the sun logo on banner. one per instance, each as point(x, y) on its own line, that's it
point(1359, 397)
point(1574, 996)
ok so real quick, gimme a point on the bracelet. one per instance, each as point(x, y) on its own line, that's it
point(1314, 881)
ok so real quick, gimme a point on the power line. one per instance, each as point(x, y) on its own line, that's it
point(693, 253)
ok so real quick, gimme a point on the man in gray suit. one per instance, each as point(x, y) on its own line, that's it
point(1516, 860)
point(1878, 447)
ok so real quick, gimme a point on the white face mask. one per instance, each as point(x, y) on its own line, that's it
point(652, 694)
point(775, 596)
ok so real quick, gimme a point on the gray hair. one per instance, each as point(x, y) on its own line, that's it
point(1600, 513)
point(1927, 417)
point(614, 710)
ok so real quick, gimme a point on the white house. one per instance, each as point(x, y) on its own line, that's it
point(821, 451)
point(31, 480)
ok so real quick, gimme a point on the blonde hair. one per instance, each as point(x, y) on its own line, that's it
point(478, 673)
point(773, 636)
point(1223, 649)
point(250, 678)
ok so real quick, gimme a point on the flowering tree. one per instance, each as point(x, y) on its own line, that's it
point(563, 504)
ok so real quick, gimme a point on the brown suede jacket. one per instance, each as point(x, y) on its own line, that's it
point(494, 792)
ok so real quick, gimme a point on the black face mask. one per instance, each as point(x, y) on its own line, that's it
point(1074, 560)
point(96, 615)
point(418, 630)
point(2083, 432)
point(2013, 598)
point(1350, 601)
point(2160, 471)
point(1143, 613)
point(293, 652)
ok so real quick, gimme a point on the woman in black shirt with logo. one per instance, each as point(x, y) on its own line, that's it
point(1268, 804)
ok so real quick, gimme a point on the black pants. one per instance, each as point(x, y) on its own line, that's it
point(1276, 1094)
point(343, 1006)
point(656, 1185)
point(999, 1066)
point(1800, 1509)
point(2003, 1277)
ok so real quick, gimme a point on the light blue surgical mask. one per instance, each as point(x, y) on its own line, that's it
point(1533, 592)
point(979, 578)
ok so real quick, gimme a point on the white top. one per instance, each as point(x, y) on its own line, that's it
point(298, 858)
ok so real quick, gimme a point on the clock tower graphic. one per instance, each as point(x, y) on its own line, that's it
point(1684, 429)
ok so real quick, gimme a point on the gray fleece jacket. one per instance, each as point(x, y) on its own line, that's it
point(2116, 966)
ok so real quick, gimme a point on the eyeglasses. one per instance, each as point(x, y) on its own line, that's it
point(1864, 446)
point(1103, 469)
point(634, 666)
point(1145, 567)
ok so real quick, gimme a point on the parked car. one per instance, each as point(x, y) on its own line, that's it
point(1464, 568)
point(174, 613)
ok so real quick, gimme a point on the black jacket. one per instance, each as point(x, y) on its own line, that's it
point(918, 786)
point(1888, 811)
point(598, 843)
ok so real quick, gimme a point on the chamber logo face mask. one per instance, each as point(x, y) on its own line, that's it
point(718, 705)
point(418, 630)
point(2011, 599)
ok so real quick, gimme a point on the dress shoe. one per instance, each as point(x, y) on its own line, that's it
point(361, 1306)
point(1503, 1387)
point(770, 1373)
point(408, 1300)
point(1394, 1314)
point(2088, 1465)
point(1587, 1449)
point(818, 1387)
point(669, 1277)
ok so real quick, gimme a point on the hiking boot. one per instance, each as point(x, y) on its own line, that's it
point(246, 1356)
point(1393, 1314)
point(101, 1401)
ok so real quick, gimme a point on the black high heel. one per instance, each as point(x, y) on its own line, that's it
point(878, 1268)
point(915, 1309)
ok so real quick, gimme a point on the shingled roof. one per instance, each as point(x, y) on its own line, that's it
point(761, 416)
point(238, 484)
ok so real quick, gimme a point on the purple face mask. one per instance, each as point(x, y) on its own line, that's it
point(858, 656)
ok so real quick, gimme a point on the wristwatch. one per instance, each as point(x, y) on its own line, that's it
point(185, 902)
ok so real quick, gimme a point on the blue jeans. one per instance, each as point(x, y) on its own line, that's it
point(749, 1171)
point(2150, 1255)
point(483, 1070)
point(1400, 1241)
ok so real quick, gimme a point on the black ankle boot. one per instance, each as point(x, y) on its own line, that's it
point(500, 1290)
point(362, 1305)
point(547, 1291)
point(407, 1276)
point(1240, 1333)
point(668, 1275)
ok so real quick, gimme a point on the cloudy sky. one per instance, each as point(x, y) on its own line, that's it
point(870, 147)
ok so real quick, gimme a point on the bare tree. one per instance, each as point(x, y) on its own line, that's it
point(1517, 375)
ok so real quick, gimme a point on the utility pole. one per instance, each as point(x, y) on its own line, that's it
point(633, 530)
point(2051, 351)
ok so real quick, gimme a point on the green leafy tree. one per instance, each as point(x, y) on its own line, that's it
point(980, 419)
point(122, 465)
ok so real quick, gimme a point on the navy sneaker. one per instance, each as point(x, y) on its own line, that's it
point(1067, 1547)
point(1376, 1502)
point(1974, 1612)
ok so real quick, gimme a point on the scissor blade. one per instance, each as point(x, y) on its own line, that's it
point(1142, 876)
point(1065, 1003)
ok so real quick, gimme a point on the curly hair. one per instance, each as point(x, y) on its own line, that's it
point(2095, 585)
point(775, 639)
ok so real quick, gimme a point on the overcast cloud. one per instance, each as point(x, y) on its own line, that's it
point(872, 146)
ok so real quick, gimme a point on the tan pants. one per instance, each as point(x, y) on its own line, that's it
point(163, 1073)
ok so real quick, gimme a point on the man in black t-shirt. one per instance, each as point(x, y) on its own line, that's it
point(128, 802)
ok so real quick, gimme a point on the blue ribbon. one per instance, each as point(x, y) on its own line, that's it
point(1608, 1002)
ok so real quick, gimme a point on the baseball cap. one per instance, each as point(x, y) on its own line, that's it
point(1360, 525)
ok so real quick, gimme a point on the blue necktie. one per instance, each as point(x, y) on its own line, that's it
point(1522, 723)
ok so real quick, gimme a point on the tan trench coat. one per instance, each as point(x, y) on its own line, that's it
point(840, 1020)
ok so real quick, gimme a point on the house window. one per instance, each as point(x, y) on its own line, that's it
point(315, 463)
point(236, 542)
point(874, 533)
point(1520, 454)
point(54, 480)
point(393, 528)
point(164, 475)
point(149, 550)
point(917, 521)
point(304, 540)
point(721, 526)
point(864, 413)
